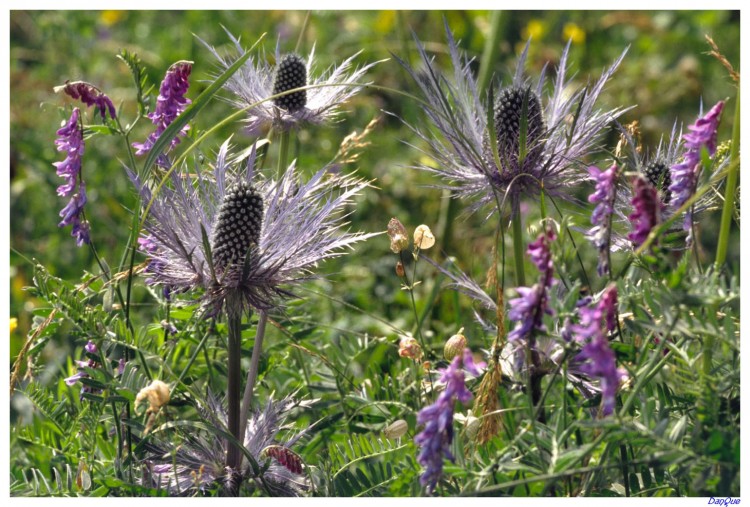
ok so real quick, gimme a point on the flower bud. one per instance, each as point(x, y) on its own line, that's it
point(409, 347)
point(455, 345)
point(400, 269)
point(397, 233)
point(396, 429)
point(423, 238)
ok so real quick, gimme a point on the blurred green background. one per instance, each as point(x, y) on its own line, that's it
point(666, 74)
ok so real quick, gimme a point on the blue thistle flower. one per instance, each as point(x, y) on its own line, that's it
point(550, 151)
point(199, 461)
point(257, 80)
point(241, 236)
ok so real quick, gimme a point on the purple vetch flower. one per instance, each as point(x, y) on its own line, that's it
point(529, 309)
point(256, 81)
point(596, 359)
point(684, 175)
point(198, 462)
point(436, 437)
point(89, 349)
point(91, 96)
point(70, 140)
point(604, 197)
point(284, 229)
point(460, 143)
point(169, 105)
point(647, 210)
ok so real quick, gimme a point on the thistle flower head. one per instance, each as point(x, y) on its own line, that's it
point(198, 462)
point(672, 170)
point(290, 73)
point(538, 145)
point(257, 80)
point(201, 229)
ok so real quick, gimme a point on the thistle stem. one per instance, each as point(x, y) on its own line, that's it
point(252, 373)
point(730, 191)
point(518, 246)
point(284, 139)
point(234, 373)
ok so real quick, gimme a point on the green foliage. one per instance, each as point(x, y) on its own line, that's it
point(675, 428)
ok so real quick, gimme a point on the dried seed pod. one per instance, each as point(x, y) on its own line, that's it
point(400, 272)
point(397, 233)
point(396, 429)
point(455, 345)
point(423, 237)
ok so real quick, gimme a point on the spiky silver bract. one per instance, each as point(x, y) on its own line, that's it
point(198, 463)
point(302, 225)
point(254, 83)
point(459, 144)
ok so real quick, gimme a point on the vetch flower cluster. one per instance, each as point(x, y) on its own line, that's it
point(70, 140)
point(436, 437)
point(684, 176)
point(170, 103)
point(90, 95)
point(596, 359)
point(529, 309)
point(604, 197)
point(90, 350)
point(647, 210)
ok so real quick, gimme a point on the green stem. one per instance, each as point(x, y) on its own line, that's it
point(252, 374)
point(234, 373)
point(489, 55)
point(730, 191)
point(518, 245)
point(283, 152)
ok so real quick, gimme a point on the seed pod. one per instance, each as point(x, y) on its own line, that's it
point(397, 233)
point(400, 269)
point(396, 429)
point(423, 237)
point(472, 426)
point(455, 345)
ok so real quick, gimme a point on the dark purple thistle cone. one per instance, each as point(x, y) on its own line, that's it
point(238, 225)
point(514, 107)
point(291, 73)
point(658, 175)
